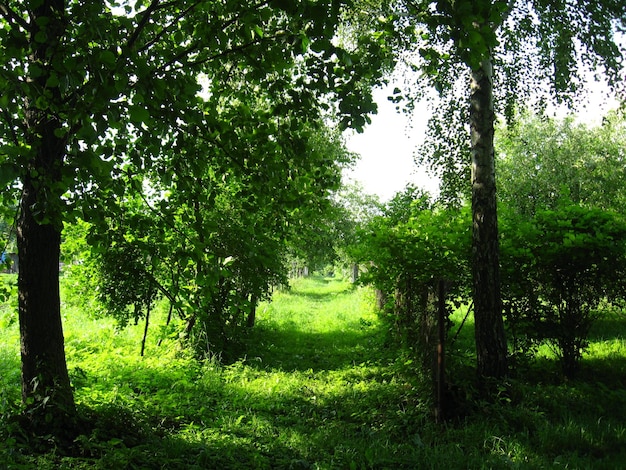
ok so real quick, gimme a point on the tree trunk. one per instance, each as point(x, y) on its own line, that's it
point(490, 339)
point(252, 313)
point(381, 299)
point(46, 388)
point(440, 375)
point(45, 380)
point(355, 273)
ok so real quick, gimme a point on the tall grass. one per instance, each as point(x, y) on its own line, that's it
point(320, 387)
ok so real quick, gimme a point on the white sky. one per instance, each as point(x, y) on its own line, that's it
point(387, 147)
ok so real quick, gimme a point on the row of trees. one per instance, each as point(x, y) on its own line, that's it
point(564, 234)
point(214, 236)
point(562, 256)
point(205, 117)
point(121, 112)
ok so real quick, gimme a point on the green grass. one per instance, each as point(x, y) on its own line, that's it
point(320, 387)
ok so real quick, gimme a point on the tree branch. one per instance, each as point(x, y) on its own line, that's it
point(158, 213)
point(8, 119)
point(198, 44)
point(507, 13)
point(168, 295)
point(145, 16)
point(150, 43)
point(232, 50)
point(13, 17)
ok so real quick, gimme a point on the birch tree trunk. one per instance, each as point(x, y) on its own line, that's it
point(489, 328)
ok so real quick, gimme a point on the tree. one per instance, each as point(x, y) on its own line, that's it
point(90, 88)
point(415, 252)
point(562, 248)
point(543, 160)
point(539, 50)
point(355, 209)
point(220, 224)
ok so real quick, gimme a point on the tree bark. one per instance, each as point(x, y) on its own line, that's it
point(45, 379)
point(46, 388)
point(355, 273)
point(491, 346)
point(251, 320)
point(440, 376)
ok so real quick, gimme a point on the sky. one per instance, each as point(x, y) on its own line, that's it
point(387, 148)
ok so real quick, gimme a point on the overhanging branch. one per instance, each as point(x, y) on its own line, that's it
point(167, 28)
point(12, 17)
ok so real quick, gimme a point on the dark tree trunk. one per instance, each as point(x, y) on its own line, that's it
point(440, 376)
point(252, 313)
point(46, 388)
point(44, 371)
point(490, 339)
point(145, 329)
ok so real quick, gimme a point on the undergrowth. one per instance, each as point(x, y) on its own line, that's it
point(320, 387)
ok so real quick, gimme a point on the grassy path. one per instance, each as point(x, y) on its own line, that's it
point(320, 324)
point(318, 389)
point(318, 383)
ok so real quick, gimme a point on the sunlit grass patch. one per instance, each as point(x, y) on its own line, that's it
point(336, 305)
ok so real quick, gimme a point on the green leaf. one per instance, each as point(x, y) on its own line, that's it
point(108, 58)
point(41, 37)
point(259, 31)
point(53, 81)
point(139, 114)
point(35, 70)
point(60, 132)
point(8, 174)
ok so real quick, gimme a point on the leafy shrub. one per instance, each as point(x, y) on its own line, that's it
point(409, 251)
point(558, 267)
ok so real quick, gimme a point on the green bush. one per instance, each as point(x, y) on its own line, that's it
point(408, 252)
point(557, 268)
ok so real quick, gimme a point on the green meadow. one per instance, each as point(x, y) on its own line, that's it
point(321, 386)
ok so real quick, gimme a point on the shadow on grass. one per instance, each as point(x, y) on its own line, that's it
point(291, 349)
point(608, 372)
point(608, 327)
point(221, 417)
point(230, 423)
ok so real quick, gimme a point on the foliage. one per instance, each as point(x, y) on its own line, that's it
point(560, 265)
point(101, 99)
point(215, 246)
point(355, 209)
point(561, 182)
point(542, 160)
point(407, 252)
point(532, 48)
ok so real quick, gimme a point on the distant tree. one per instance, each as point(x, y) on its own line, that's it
point(355, 210)
point(543, 160)
point(406, 203)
